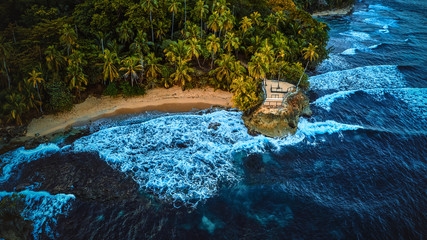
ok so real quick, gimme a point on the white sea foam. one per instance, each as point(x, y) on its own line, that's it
point(350, 51)
point(360, 36)
point(329, 126)
point(415, 98)
point(326, 101)
point(335, 62)
point(370, 77)
point(179, 157)
point(375, 46)
point(42, 209)
point(380, 7)
point(11, 160)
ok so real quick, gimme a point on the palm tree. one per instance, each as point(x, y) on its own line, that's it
point(140, 46)
point(267, 51)
point(5, 49)
point(214, 22)
point(224, 71)
point(35, 80)
point(245, 25)
point(173, 8)
point(76, 78)
point(191, 32)
point(256, 19)
point(228, 21)
point(125, 32)
point(161, 29)
point(109, 70)
point(131, 68)
point(55, 61)
point(176, 51)
point(153, 70)
point(201, 9)
point(213, 46)
point(245, 92)
point(221, 6)
point(27, 91)
point(68, 36)
point(182, 73)
point(255, 43)
point(150, 5)
point(257, 67)
point(272, 25)
point(15, 106)
point(309, 54)
point(195, 48)
point(231, 42)
point(101, 37)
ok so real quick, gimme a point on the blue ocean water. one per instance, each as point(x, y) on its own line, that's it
point(357, 169)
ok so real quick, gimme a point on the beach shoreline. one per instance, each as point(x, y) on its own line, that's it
point(159, 99)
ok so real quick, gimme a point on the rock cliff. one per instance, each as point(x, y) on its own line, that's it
point(279, 121)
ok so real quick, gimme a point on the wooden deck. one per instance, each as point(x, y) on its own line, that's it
point(276, 92)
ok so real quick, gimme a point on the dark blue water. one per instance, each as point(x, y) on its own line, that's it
point(356, 170)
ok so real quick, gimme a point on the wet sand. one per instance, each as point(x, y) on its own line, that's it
point(159, 99)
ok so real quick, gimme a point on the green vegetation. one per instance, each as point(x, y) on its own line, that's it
point(321, 5)
point(52, 53)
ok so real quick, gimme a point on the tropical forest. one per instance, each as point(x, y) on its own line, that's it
point(55, 54)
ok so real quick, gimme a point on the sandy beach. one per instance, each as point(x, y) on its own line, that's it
point(160, 99)
point(340, 11)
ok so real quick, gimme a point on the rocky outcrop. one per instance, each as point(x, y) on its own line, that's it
point(278, 122)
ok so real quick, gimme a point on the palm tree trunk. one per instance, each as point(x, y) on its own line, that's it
point(185, 14)
point(102, 45)
point(38, 92)
point(225, 39)
point(201, 28)
point(213, 58)
point(68, 49)
point(152, 30)
point(7, 72)
point(302, 75)
point(173, 19)
point(199, 62)
point(14, 38)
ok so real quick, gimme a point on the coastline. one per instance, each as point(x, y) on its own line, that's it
point(334, 12)
point(159, 99)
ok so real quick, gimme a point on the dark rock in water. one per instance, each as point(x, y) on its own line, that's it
point(35, 142)
point(16, 229)
point(12, 224)
point(278, 122)
point(214, 125)
point(254, 163)
point(83, 174)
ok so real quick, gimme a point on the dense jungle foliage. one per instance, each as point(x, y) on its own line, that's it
point(53, 53)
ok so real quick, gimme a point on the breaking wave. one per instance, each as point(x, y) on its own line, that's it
point(10, 160)
point(370, 77)
point(42, 209)
point(180, 158)
point(329, 126)
point(415, 98)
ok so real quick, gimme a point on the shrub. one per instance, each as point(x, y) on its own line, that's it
point(111, 90)
point(60, 97)
point(293, 73)
point(129, 91)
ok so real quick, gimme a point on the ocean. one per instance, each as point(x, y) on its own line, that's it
point(357, 169)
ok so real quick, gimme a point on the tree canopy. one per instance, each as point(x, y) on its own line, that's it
point(51, 49)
